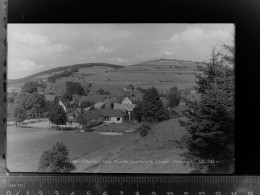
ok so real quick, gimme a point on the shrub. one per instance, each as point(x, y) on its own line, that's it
point(56, 160)
point(144, 129)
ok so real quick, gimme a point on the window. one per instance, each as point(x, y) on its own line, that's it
point(118, 119)
point(106, 118)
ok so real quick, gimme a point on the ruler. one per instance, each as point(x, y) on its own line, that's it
point(129, 185)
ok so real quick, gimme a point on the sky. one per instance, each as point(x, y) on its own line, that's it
point(33, 48)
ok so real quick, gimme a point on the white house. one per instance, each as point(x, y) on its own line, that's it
point(128, 108)
point(113, 116)
point(127, 101)
point(129, 88)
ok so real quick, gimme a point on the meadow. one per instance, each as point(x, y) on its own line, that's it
point(92, 152)
point(26, 145)
point(160, 74)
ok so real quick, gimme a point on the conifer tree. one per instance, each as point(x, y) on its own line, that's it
point(151, 107)
point(211, 120)
point(58, 115)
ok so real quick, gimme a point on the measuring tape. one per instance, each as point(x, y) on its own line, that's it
point(129, 185)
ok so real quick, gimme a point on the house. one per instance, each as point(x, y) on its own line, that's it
point(50, 97)
point(84, 119)
point(67, 107)
point(193, 91)
point(127, 108)
point(92, 98)
point(72, 118)
point(113, 116)
point(127, 101)
point(129, 88)
point(92, 118)
point(99, 105)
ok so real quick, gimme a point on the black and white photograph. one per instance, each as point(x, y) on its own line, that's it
point(121, 98)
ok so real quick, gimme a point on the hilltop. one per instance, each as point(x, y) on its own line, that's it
point(160, 73)
point(62, 68)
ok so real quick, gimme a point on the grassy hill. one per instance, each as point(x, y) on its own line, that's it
point(162, 74)
point(59, 69)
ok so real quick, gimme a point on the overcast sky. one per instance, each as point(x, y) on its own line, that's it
point(36, 47)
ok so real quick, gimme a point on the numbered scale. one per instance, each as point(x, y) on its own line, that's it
point(129, 185)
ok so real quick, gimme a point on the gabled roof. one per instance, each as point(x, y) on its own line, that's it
point(74, 112)
point(49, 97)
point(99, 104)
point(92, 114)
point(127, 99)
point(92, 98)
point(112, 113)
point(66, 104)
point(128, 107)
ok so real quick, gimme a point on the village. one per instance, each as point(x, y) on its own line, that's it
point(83, 112)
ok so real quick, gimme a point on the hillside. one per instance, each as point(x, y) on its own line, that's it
point(162, 74)
point(55, 70)
point(158, 152)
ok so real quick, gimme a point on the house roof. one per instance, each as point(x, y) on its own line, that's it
point(112, 112)
point(127, 99)
point(49, 97)
point(129, 87)
point(92, 98)
point(99, 104)
point(92, 114)
point(128, 107)
point(66, 104)
point(74, 112)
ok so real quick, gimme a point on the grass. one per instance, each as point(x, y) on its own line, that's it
point(26, 145)
point(156, 150)
point(117, 127)
point(145, 75)
point(155, 153)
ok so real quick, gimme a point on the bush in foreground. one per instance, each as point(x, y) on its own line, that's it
point(144, 129)
point(56, 160)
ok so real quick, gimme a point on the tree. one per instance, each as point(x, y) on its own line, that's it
point(74, 88)
point(56, 160)
point(67, 97)
point(21, 99)
point(30, 87)
point(35, 104)
point(173, 97)
point(137, 112)
point(18, 113)
point(9, 110)
point(79, 90)
point(100, 92)
point(144, 129)
point(211, 120)
point(151, 108)
point(57, 115)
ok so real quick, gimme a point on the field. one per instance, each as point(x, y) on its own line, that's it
point(25, 145)
point(160, 74)
point(93, 152)
point(158, 152)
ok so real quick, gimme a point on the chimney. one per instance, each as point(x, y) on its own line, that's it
point(112, 105)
